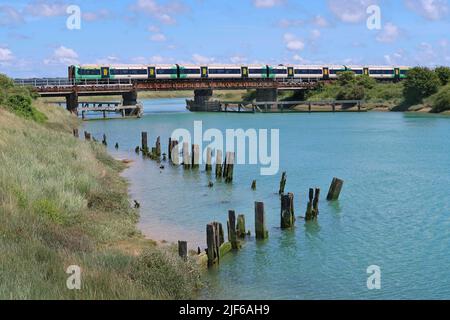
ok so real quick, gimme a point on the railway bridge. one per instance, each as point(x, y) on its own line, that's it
point(266, 89)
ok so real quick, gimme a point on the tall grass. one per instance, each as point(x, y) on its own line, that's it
point(62, 202)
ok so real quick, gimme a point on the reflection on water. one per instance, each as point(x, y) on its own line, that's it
point(394, 209)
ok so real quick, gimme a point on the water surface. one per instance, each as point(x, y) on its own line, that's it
point(394, 209)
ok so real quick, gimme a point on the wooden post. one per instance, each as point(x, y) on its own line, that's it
point(334, 107)
point(75, 133)
point(219, 164)
point(169, 151)
point(186, 156)
point(87, 136)
point(309, 107)
point(144, 143)
point(195, 156)
point(260, 222)
point(282, 183)
point(309, 207)
point(82, 115)
point(335, 189)
point(287, 211)
point(208, 167)
point(104, 114)
point(316, 203)
point(116, 146)
point(214, 241)
point(158, 147)
point(240, 227)
point(175, 153)
point(104, 140)
point(229, 167)
point(232, 235)
point(182, 249)
point(254, 185)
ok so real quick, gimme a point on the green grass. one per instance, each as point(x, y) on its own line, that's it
point(63, 202)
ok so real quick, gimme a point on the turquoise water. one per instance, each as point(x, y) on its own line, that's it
point(394, 209)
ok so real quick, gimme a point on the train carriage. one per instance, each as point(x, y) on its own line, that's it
point(308, 73)
point(258, 72)
point(163, 71)
point(128, 72)
point(224, 72)
point(189, 72)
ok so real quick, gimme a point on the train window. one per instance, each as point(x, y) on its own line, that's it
point(89, 72)
point(359, 72)
point(278, 71)
point(190, 71)
point(166, 71)
point(381, 72)
point(308, 71)
point(403, 72)
point(128, 72)
point(224, 71)
point(257, 71)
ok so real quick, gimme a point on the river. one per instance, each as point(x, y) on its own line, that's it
point(394, 210)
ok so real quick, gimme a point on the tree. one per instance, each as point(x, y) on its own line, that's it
point(350, 86)
point(366, 81)
point(442, 100)
point(346, 78)
point(444, 74)
point(420, 83)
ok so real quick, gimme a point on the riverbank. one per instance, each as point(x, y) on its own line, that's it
point(63, 203)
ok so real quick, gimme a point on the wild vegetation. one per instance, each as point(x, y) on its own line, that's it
point(423, 88)
point(62, 203)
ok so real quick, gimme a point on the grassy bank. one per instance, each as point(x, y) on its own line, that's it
point(62, 203)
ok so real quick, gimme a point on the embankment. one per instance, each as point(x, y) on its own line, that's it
point(63, 203)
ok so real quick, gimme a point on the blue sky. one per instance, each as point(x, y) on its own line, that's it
point(35, 41)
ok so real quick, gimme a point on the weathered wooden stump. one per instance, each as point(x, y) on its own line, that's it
point(169, 149)
point(75, 133)
point(104, 142)
point(316, 202)
point(232, 233)
point(312, 208)
point(175, 153)
point(240, 227)
point(282, 183)
point(87, 136)
point(254, 185)
point(158, 147)
point(215, 242)
point(195, 156)
point(186, 157)
point(335, 189)
point(136, 149)
point(287, 211)
point(219, 164)
point(116, 146)
point(208, 167)
point(144, 143)
point(228, 167)
point(260, 221)
point(182, 249)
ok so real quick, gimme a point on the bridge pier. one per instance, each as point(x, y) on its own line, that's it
point(203, 101)
point(72, 102)
point(267, 95)
point(129, 99)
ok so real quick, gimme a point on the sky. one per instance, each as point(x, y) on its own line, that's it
point(37, 41)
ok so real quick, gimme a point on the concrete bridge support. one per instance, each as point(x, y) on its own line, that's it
point(203, 101)
point(72, 102)
point(267, 95)
point(129, 99)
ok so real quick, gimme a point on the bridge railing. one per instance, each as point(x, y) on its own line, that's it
point(62, 82)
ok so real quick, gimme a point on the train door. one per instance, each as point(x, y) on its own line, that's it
point(326, 73)
point(366, 71)
point(151, 72)
point(204, 73)
point(397, 73)
point(244, 72)
point(105, 72)
point(290, 71)
point(71, 72)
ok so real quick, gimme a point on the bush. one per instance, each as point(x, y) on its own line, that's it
point(420, 83)
point(442, 100)
point(444, 74)
point(351, 92)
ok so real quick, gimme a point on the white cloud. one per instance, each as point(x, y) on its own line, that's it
point(95, 16)
point(162, 12)
point(350, 11)
point(158, 37)
point(6, 55)
point(238, 59)
point(41, 8)
point(390, 33)
point(320, 21)
point(202, 59)
point(267, 3)
point(10, 16)
point(64, 56)
point(154, 29)
point(289, 23)
point(298, 58)
point(429, 9)
point(315, 34)
point(293, 43)
point(395, 58)
point(108, 60)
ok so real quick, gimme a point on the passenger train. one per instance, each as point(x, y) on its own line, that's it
point(164, 72)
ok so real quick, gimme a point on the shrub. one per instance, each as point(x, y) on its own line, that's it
point(420, 83)
point(442, 100)
point(444, 74)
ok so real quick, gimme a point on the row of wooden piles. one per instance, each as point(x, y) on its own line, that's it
point(237, 232)
point(190, 156)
